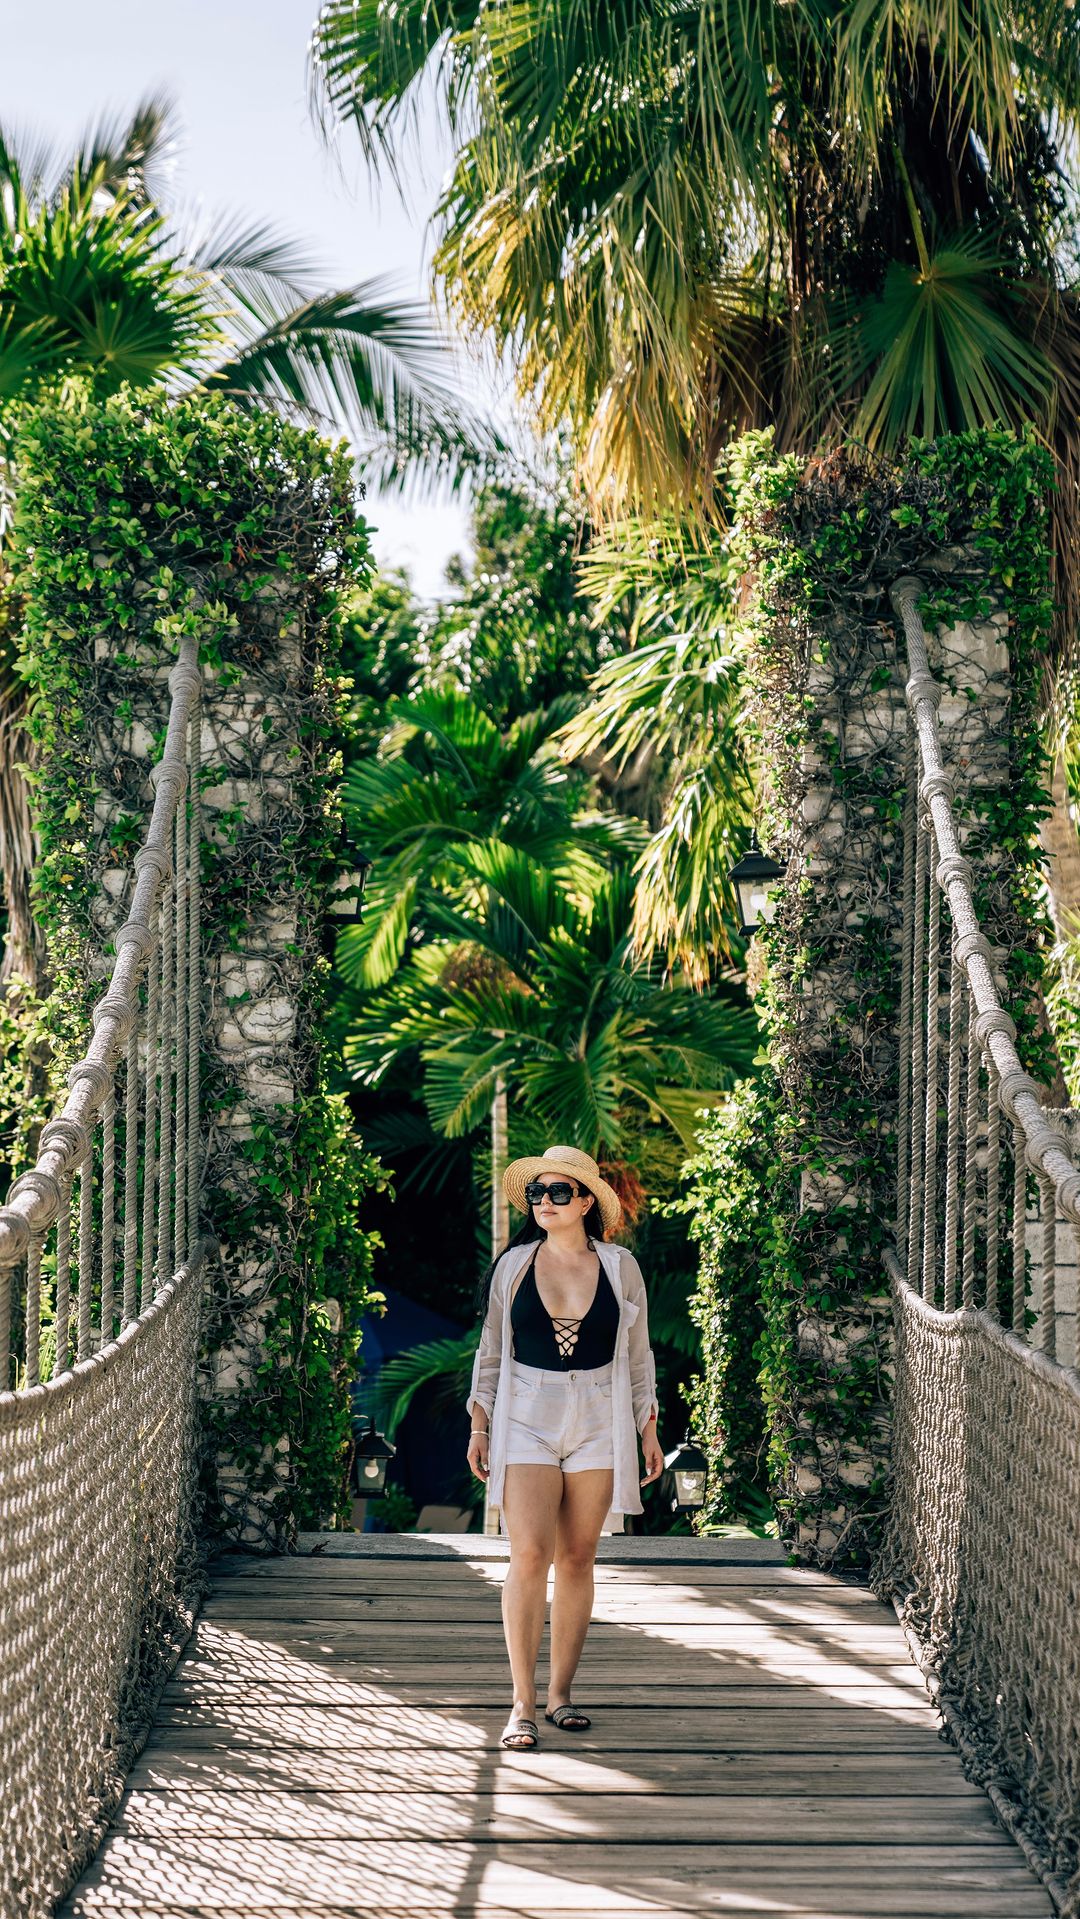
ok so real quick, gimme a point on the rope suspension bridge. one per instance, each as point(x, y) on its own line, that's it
point(799, 1683)
point(98, 1562)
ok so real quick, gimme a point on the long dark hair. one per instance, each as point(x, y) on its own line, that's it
point(592, 1221)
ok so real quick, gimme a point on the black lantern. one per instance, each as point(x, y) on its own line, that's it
point(752, 877)
point(347, 892)
point(690, 1468)
point(371, 1456)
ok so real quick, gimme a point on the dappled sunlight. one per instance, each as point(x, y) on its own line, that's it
point(760, 1746)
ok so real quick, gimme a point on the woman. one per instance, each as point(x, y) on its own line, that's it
point(562, 1377)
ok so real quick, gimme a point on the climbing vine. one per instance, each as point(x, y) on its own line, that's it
point(810, 1153)
point(138, 522)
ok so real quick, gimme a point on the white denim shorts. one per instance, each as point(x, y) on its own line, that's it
point(560, 1419)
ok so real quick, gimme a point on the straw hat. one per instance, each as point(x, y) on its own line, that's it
point(573, 1165)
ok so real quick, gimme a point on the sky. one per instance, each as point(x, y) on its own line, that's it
point(238, 72)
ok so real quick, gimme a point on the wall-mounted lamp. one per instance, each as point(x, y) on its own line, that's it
point(347, 893)
point(372, 1454)
point(690, 1470)
point(753, 877)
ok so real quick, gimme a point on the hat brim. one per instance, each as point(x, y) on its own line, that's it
point(521, 1171)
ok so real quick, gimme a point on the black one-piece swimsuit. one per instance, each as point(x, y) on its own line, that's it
point(555, 1345)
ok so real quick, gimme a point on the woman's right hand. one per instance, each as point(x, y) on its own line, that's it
point(478, 1456)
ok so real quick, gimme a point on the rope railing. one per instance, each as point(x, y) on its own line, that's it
point(953, 1022)
point(100, 1283)
point(982, 1550)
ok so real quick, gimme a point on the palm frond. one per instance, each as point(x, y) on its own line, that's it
point(379, 364)
point(253, 261)
point(366, 59)
point(968, 48)
point(133, 154)
point(447, 1361)
point(940, 350)
point(665, 692)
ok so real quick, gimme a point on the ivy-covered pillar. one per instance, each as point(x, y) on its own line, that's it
point(824, 544)
point(140, 521)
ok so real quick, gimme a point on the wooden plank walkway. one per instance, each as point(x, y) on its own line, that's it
point(761, 1746)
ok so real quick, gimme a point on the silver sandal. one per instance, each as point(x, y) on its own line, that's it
point(520, 1735)
point(569, 1718)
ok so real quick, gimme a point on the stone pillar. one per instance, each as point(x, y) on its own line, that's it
point(190, 517)
point(833, 720)
point(261, 926)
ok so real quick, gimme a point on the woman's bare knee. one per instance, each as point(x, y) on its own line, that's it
point(530, 1557)
point(575, 1557)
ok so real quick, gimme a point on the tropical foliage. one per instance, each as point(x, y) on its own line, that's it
point(683, 222)
point(536, 989)
point(100, 280)
point(495, 949)
point(512, 630)
point(449, 786)
point(690, 220)
point(99, 277)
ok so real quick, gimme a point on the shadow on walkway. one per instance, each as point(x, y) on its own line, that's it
point(761, 1745)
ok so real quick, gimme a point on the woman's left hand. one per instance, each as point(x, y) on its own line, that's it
point(653, 1454)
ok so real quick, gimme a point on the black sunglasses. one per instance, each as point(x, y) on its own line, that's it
point(560, 1192)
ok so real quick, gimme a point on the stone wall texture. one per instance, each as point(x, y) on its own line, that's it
point(840, 1023)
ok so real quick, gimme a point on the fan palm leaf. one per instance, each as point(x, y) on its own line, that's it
point(942, 349)
point(130, 294)
point(445, 1363)
point(538, 992)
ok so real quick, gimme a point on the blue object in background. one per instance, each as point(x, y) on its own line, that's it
point(430, 1463)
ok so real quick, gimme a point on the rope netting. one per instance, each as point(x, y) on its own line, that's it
point(982, 1550)
point(97, 1579)
point(100, 1286)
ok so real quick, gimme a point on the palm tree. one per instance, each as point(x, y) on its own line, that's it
point(676, 695)
point(670, 212)
point(98, 279)
point(100, 276)
point(449, 782)
point(538, 991)
point(683, 221)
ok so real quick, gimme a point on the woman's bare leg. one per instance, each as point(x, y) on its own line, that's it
point(586, 1502)
point(531, 1497)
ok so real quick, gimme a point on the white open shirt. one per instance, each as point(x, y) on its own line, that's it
point(633, 1387)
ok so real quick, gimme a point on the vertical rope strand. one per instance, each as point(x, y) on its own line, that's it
point(971, 1159)
point(903, 1117)
point(166, 1024)
point(194, 1006)
point(1048, 1302)
point(7, 1293)
point(131, 1178)
point(108, 1212)
point(63, 1281)
point(993, 1187)
point(957, 1007)
point(86, 1250)
point(1019, 1229)
point(918, 1059)
point(180, 1018)
point(149, 1198)
point(933, 983)
point(34, 1254)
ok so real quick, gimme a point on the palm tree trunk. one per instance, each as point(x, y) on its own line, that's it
point(500, 1217)
point(500, 1210)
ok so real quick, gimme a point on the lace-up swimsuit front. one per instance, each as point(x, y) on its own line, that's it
point(560, 1380)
